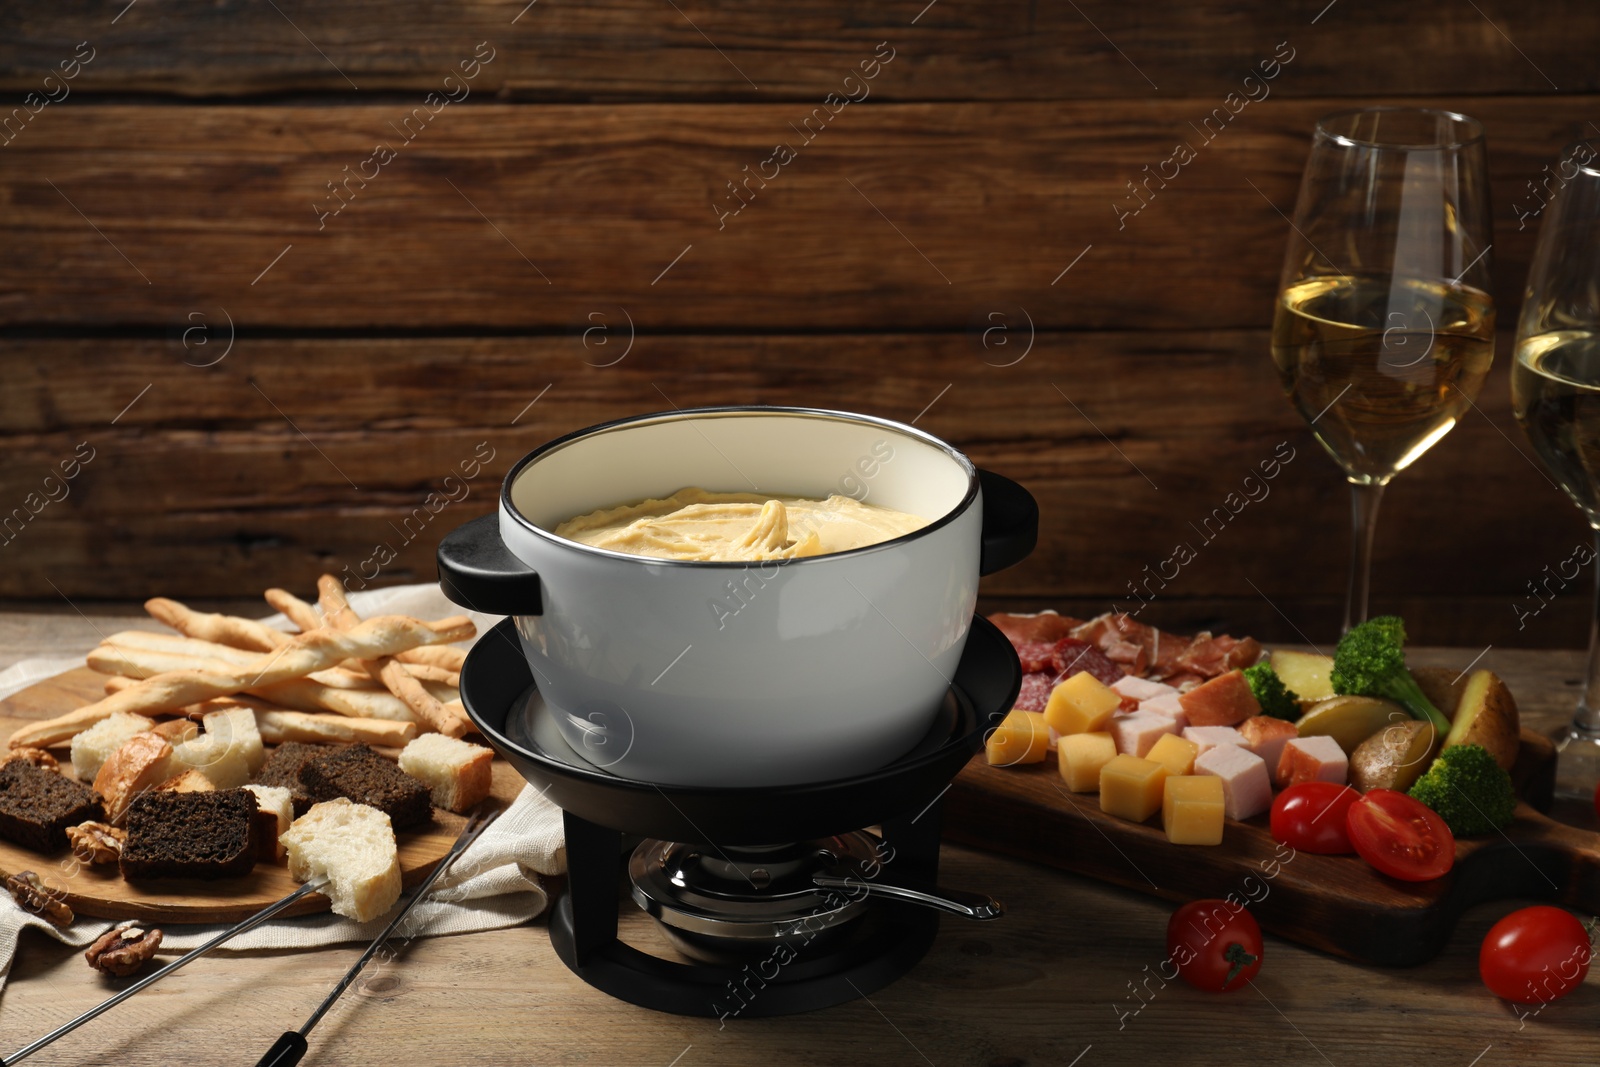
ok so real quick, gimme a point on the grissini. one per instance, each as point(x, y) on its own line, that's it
point(337, 613)
point(444, 669)
point(300, 694)
point(303, 654)
point(223, 629)
point(278, 724)
point(444, 656)
point(294, 609)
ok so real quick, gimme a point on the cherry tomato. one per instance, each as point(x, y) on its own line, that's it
point(1535, 955)
point(1400, 836)
point(1311, 817)
point(1215, 945)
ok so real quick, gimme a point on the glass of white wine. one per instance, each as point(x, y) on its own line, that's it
point(1384, 328)
point(1555, 391)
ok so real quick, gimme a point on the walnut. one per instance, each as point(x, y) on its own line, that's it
point(123, 949)
point(96, 842)
point(32, 895)
point(36, 756)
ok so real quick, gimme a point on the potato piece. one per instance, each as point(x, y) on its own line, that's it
point(1442, 686)
point(1350, 720)
point(1487, 716)
point(1395, 756)
point(1306, 673)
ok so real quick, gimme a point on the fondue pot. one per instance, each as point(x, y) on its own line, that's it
point(739, 674)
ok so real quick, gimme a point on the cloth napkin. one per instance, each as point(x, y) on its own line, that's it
point(494, 884)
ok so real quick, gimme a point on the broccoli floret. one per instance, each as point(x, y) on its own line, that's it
point(1371, 662)
point(1468, 789)
point(1275, 698)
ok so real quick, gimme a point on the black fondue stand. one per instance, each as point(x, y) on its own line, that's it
point(602, 809)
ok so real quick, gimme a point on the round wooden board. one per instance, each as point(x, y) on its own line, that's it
point(100, 891)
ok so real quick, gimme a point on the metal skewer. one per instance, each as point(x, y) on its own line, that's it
point(291, 1046)
point(193, 954)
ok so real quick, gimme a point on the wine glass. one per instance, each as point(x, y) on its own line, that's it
point(1555, 392)
point(1384, 328)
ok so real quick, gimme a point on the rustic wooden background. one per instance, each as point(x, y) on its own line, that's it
point(268, 394)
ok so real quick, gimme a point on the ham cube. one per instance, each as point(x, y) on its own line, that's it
point(1141, 689)
point(1137, 731)
point(1246, 788)
point(1266, 736)
point(1226, 700)
point(1312, 759)
point(1209, 737)
point(1167, 704)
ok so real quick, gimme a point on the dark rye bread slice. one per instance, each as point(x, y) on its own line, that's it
point(37, 806)
point(367, 778)
point(283, 769)
point(191, 835)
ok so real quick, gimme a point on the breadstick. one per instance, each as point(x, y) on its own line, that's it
point(294, 609)
point(140, 660)
point(445, 656)
point(424, 672)
point(278, 727)
point(223, 629)
point(338, 613)
point(304, 653)
point(177, 644)
point(300, 694)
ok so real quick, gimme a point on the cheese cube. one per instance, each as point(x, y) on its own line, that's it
point(1169, 705)
point(1174, 753)
point(1209, 737)
point(1141, 689)
point(1131, 788)
point(1138, 731)
point(1081, 705)
point(1266, 736)
point(1226, 700)
point(1192, 809)
point(1246, 787)
point(1021, 737)
point(1080, 758)
point(1312, 759)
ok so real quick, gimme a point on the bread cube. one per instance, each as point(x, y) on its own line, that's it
point(354, 846)
point(1080, 758)
point(457, 773)
point(91, 747)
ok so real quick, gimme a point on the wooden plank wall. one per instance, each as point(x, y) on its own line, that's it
point(282, 268)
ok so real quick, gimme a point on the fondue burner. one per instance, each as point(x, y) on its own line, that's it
point(775, 896)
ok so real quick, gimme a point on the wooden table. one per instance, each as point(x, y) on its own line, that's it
point(1051, 984)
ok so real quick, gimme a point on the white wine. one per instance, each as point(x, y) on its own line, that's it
point(1381, 367)
point(1555, 392)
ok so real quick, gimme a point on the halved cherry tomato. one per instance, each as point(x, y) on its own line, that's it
point(1535, 955)
point(1215, 945)
point(1311, 817)
point(1400, 836)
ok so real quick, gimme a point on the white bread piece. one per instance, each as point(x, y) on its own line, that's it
point(353, 845)
point(92, 746)
point(276, 800)
point(456, 771)
point(238, 725)
point(190, 781)
point(141, 763)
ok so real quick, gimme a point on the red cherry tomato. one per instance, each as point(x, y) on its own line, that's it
point(1215, 945)
point(1400, 836)
point(1535, 955)
point(1311, 817)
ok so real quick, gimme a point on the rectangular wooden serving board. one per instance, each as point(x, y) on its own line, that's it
point(1337, 904)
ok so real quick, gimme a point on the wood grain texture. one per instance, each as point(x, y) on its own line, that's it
point(101, 892)
point(630, 49)
point(1058, 974)
point(289, 458)
point(896, 216)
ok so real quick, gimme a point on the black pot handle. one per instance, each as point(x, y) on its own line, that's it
point(478, 571)
point(1010, 523)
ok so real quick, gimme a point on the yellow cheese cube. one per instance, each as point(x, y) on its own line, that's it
point(1021, 737)
point(1131, 788)
point(1174, 753)
point(1081, 705)
point(1080, 757)
point(1192, 808)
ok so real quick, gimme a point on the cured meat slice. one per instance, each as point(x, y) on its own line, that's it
point(1035, 692)
point(1073, 655)
point(1035, 655)
point(1210, 656)
point(1045, 626)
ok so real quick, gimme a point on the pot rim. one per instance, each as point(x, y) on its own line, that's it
point(722, 411)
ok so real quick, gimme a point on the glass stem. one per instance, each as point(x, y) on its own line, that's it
point(1364, 500)
point(1588, 714)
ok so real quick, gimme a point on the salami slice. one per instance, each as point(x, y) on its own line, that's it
point(1035, 691)
point(1035, 655)
point(1072, 656)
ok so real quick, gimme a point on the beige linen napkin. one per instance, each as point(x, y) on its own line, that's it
point(494, 884)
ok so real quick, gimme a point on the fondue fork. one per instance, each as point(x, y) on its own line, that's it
point(193, 954)
point(291, 1046)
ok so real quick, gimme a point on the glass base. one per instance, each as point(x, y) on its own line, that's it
point(1578, 766)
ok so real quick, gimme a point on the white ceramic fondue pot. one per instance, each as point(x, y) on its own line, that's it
point(777, 672)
